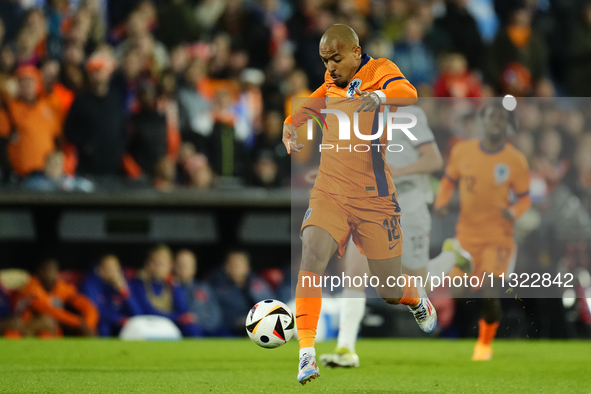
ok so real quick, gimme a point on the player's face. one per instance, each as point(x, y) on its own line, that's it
point(495, 124)
point(340, 60)
point(48, 274)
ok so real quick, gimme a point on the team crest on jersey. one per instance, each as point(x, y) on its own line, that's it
point(354, 84)
point(501, 173)
point(308, 213)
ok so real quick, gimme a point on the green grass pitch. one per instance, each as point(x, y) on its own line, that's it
point(238, 366)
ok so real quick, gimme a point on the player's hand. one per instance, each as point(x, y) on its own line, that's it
point(370, 101)
point(441, 211)
point(507, 214)
point(289, 139)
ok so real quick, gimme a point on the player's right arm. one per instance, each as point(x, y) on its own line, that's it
point(448, 182)
point(299, 117)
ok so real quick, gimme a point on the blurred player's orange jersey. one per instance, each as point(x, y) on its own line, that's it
point(345, 171)
point(485, 180)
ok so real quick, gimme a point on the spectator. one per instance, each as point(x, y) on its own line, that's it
point(54, 178)
point(158, 293)
point(48, 295)
point(165, 175)
point(72, 72)
point(177, 23)
point(455, 79)
point(269, 142)
point(97, 122)
point(148, 134)
point(462, 30)
point(12, 14)
point(549, 162)
point(226, 151)
point(413, 56)
point(578, 82)
point(107, 288)
point(167, 104)
point(238, 289)
point(154, 57)
point(202, 301)
point(31, 123)
point(517, 43)
point(61, 97)
point(197, 125)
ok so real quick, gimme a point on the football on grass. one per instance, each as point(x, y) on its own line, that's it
point(270, 324)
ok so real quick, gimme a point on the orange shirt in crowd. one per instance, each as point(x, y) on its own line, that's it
point(36, 128)
point(38, 301)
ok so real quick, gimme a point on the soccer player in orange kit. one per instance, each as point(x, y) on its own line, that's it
point(486, 171)
point(353, 193)
point(46, 295)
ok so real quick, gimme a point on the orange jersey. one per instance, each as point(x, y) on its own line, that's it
point(38, 301)
point(37, 126)
point(343, 170)
point(485, 181)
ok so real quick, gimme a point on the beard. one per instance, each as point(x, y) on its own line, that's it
point(342, 83)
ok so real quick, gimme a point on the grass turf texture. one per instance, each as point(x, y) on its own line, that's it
point(239, 366)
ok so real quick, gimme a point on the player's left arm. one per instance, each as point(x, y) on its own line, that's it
point(85, 306)
point(394, 89)
point(520, 187)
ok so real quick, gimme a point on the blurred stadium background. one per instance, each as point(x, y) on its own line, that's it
point(127, 124)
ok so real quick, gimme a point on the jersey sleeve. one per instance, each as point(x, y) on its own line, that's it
point(394, 84)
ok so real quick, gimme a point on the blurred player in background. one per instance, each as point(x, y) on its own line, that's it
point(49, 300)
point(353, 193)
point(410, 168)
point(486, 172)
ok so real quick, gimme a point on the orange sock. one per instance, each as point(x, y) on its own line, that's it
point(410, 296)
point(308, 305)
point(486, 331)
point(12, 334)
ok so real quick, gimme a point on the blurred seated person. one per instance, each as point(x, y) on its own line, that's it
point(48, 297)
point(157, 292)
point(53, 177)
point(238, 289)
point(107, 288)
point(202, 301)
point(30, 124)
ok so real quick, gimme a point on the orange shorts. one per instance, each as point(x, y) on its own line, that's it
point(496, 256)
point(374, 222)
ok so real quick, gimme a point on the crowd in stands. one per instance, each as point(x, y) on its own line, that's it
point(188, 93)
point(50, 303)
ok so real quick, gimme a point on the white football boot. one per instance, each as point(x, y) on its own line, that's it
point(308, 368)
point(424, 313)
point(341, 358)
